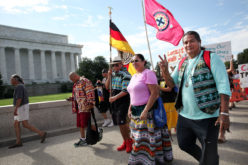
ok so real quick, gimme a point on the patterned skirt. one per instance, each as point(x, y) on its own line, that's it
point(151, 144)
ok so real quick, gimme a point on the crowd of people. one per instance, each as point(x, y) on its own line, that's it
point(195, 96)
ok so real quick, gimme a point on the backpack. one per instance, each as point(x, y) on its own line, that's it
point(206, 58)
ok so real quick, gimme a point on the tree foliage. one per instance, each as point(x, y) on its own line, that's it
point(157, 70)
point(92, 70)
point(148, 64)
point(235, 64)
point(1, 86)
point(243, 57)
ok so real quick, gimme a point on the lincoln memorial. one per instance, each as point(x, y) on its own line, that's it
point(36, 56)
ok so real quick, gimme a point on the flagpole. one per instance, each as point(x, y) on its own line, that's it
point(110, 50)
point(148, 44)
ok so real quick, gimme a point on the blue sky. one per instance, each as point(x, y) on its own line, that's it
point(86, 22)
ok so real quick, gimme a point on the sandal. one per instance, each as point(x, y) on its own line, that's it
point(15, 145)
point(220, 141)
point(43, 138)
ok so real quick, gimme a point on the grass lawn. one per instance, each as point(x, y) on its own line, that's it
point(34, 99)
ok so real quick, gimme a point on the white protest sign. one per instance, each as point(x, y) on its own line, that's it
point(174, 56)
point(243, 75)
point(223, 49)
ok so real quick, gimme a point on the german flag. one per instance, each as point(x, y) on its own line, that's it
point(118, 41)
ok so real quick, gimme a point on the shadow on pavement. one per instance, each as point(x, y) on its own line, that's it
point(238, 126)
point(40, 157)
point(231, 157)
point(235, 144)
point(110, 153)
point(4, 151)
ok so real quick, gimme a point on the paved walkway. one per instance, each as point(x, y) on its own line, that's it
point(59, 150)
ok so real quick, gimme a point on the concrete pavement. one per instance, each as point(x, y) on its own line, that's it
point(59, 150)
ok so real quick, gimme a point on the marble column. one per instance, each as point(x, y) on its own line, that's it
point(17, 62)
point(63, 65)
point(75, 61)
point(54, 66)
point(78, 60)
point(3, 68)
point(31, 64)
point(73, 69)
point(43, 66)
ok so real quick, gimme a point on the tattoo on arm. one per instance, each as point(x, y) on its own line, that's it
point(224, 102)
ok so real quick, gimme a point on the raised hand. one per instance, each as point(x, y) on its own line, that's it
point(163, 64)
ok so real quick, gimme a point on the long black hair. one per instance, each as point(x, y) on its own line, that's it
point(17, 78)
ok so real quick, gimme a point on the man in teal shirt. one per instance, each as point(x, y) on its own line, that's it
point(202, 100)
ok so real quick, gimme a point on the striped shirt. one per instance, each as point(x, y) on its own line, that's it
point(121, 80)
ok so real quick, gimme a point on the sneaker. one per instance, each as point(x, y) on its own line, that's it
point(111, 124)
point(106, 122)
point(100, 130)
point(80, 143)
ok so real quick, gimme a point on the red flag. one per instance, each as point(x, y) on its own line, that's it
point(159, 17)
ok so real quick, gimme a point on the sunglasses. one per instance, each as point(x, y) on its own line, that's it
point(135, 61)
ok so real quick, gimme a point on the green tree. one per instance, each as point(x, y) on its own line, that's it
point(148, 64)
point(86, 68)
point(243, 57)
point(235, 64)
point(157, 69)
point(1, 87)
point(99, 64)
point(92, 70)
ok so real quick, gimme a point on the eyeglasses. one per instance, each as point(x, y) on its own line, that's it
point(135, 61)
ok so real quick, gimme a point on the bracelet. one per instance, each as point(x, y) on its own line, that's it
point(224, 113)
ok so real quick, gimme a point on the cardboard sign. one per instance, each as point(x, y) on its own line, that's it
point(174, 56)
point(222, 49)
point(243, 74)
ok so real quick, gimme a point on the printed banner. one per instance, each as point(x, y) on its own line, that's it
point(243, 74)
point(237, 93)
point(222, 49)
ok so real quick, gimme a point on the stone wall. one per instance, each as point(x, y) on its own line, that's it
point(43, 89)
point(46, 116)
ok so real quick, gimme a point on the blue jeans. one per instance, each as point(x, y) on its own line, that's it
point(206, 132)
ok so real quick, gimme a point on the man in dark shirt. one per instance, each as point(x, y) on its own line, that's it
point(21, 111)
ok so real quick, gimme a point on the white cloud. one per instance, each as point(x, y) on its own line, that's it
point(220, 2)
point(89, 22)
point(246, 17)
point(238, 39)
point(40, 9)
point(62, 7)
point(61, 18)
point(77, 8)
point(238, 25)
point(24, 6)
point(100, 17)
point(95, 48)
